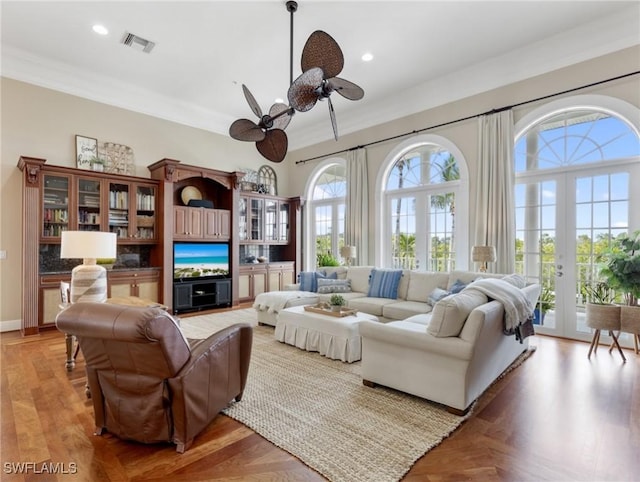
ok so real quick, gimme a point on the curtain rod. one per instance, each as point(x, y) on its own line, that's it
point(462, 119)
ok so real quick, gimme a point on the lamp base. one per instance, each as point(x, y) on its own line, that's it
point(88, 284)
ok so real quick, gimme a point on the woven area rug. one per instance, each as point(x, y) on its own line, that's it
point(318, 410)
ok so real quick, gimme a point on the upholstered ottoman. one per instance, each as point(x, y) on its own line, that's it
point(337, 338)
point(269, 304)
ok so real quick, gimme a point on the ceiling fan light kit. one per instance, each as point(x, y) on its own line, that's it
point(322, 61)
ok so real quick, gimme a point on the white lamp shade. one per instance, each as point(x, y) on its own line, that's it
point(88, 244)
point(88, 280)
point(483, 254)
point(348, 252)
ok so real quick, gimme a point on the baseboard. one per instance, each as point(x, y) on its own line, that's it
point(9, 325)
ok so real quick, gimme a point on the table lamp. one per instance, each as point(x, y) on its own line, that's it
point(348, 253)
point(483, 255)
point(88, 280)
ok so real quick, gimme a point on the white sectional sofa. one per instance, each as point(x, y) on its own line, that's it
point(412, 297)
point(448, 351)
point(451, 370)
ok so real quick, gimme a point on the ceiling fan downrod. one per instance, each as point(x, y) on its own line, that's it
point(292, 7)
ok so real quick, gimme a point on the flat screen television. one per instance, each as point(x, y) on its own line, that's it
point(200, 260)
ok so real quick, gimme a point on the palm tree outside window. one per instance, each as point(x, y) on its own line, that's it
point(420, 195)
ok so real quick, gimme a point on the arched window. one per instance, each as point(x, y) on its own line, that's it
point(576, 160)
point(421, 186)
point(326, 192)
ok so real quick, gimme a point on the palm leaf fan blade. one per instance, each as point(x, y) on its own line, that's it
point(346, 89)
point(302, 94)
point(246, 130)
point(322, 51)
point(280, 116)
point(274, 146)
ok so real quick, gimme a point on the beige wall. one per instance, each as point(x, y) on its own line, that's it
point(464, 134)
point(39, 122)
point(43, 123)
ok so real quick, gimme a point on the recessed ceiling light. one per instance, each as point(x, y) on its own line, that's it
point(100, 29)
point(367, 57)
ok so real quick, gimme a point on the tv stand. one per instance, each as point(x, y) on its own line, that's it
point(200, 294)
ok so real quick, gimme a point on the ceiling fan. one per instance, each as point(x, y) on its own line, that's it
point(322, 61)
point(268, 134)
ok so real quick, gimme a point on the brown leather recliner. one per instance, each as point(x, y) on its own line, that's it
point(147, 382)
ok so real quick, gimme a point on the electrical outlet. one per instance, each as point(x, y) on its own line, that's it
point(3, 254)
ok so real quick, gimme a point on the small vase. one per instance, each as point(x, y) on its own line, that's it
point(336, 308)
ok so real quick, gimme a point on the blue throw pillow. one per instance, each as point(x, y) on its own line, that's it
point(458, 286)
point(309, 279)
point(383, 283)
point(436, 295)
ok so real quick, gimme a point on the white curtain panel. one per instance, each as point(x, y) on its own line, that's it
point(356, 216)
point(495, 215)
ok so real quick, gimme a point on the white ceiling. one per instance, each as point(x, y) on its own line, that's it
point(426, 53)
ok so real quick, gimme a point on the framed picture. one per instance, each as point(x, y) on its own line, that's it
point(86, 152)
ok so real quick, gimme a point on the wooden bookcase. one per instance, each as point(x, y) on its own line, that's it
point(56, 199)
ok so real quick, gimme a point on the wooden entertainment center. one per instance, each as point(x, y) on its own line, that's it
point(148, 215)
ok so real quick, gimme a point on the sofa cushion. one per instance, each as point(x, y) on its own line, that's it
point(403, 287)
point(326, 285)
point(322, 297)
point(341, 271)
point(403, 309)
point(373, 306)
point(422, 283)
point(450, 313)
point(359, 276)
point(421, 319)
point(309, 279)
point(384, 283)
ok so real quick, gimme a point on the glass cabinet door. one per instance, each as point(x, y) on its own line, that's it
point(242, 232)
point(88, 205)
point(145, 212)
point(119, 209)
point(55, 205)
point(271, 221)
point(283, 223)
point(257, 215)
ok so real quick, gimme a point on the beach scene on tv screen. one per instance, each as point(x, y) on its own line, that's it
point(195, 260)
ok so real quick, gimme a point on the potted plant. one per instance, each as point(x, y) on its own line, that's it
point(337, 302)
point(600, 311)
point(622, 269)
point(327, 260)
point(545, 303)
point(622, 274)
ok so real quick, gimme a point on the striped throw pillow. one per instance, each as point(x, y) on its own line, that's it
point(383, 283)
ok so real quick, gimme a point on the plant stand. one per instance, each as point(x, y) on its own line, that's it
point(603, 317)
point(630, 323)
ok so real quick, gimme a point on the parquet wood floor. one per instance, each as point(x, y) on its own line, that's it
point(557, 417)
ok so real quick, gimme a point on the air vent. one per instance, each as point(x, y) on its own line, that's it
point(138, 43)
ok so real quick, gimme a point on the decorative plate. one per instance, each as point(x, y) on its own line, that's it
point(190, 192)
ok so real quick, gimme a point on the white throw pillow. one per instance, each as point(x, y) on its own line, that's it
point(422, 284)
point(359, 276)
point(450, 313)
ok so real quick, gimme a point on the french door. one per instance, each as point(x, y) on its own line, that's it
point(564, 221)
